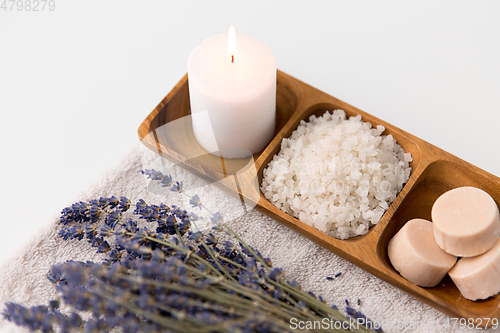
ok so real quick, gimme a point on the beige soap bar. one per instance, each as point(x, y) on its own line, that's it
point(478, 277)
point(466, 221)
point(415, 255)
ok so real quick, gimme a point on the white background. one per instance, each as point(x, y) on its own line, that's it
point(76, 82)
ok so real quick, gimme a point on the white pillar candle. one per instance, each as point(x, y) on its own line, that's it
point(236, 86)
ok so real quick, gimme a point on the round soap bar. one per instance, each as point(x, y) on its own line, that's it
point(415, 255)
point(466, 221)
point(478, 277)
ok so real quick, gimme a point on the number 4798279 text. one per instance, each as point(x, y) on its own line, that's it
point(27, 5)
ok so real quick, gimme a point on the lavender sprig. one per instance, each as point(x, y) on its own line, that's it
point(168, 277)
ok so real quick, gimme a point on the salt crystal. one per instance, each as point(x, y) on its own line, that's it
point(360, 230)
point(408, 158)
point(367, 215)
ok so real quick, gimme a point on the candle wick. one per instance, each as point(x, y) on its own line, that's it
point(232, 58)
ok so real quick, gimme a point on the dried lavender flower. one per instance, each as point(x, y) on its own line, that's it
point(165, 277)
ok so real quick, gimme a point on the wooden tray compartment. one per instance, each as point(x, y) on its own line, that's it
point(434, 171)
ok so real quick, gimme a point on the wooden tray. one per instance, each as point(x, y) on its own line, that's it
point(434, 172)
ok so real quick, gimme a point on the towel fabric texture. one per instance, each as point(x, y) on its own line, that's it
point(23, 278)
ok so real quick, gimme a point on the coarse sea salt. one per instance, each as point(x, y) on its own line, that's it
point(336, 174)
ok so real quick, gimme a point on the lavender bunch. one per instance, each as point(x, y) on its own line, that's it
point(162, 275)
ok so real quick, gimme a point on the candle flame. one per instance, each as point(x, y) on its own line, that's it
point(231, 43)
